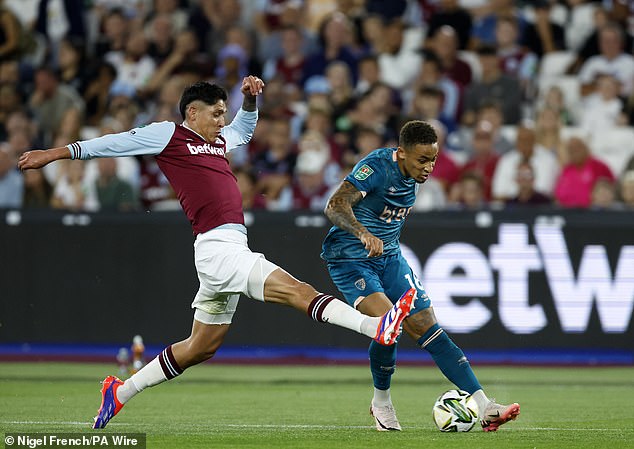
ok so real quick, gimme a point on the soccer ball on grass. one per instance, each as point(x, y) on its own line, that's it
point(455, 411)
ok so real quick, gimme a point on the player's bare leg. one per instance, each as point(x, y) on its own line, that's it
point(201, 345)
point(282, 288)
point(423, 327)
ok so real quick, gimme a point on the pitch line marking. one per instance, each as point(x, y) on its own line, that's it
point(319, 426)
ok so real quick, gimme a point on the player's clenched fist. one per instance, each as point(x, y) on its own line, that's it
point(252, 85)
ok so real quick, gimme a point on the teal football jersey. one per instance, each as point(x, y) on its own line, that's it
point(388, 199)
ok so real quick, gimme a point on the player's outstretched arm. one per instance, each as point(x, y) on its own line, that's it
point(39, 158)
point(339, 212)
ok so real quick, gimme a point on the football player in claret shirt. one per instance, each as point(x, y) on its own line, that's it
point(364, 261)
point(192, 155)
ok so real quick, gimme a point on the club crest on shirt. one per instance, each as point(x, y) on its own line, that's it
point(363, 172)
point(360, 284)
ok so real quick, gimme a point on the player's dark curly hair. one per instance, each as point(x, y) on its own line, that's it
point(417, 132)
point(203, 91)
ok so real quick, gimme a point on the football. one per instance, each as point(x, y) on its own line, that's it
point(455, 411)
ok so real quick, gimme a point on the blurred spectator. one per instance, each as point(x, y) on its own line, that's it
point(115, 33)
point(161, 37)
point(134, 66)
point(431, 74)
point(590, 46)
point(526, 193)
point(50, 102)
point(484, 158)
point(341, 88)
point(491, 111)
point(554, 99)
point(242, 36)
point(366, 141)
point(171, 9)
point(11, 181)
point(468, 192)
point(273, 167)
point(155, 190)
point(603, 196)
point(543, 35)
point(113, 193)
point(70, 192)
point(444, 42)
point(483, 30)
point(612, 60)
point(369, 74)
point(494, 86)
point(398, 56)
point(10, 100)
point(543, 161)
point(603, 109)
point(315, 141)
point(97, 93)
point(209, 19)
point(372, 29)
point(10, 34)
point(273, 16)
point(309, 188)
point(231, 68)
point(626, 190)
point(185, 55)
point(246, 183)
point(427, 105)
point(72, 64)
point(451, 13)
point(290, 65)
point(577, 178)
point(37, 190)
point(548, 133)
point(515, 60)
point(334, 45)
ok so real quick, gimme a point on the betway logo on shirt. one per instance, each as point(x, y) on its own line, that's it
point(206, 148)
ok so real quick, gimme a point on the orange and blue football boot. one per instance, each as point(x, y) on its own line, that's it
point(110, 405)
point(390, 325)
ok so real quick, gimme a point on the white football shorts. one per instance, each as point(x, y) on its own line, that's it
point(226, 268)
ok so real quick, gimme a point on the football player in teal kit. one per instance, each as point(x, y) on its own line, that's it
point(365, 263)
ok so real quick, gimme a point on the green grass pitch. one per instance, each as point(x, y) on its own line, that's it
point(222, 406)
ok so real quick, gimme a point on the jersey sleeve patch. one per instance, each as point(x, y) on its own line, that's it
point(363, 172)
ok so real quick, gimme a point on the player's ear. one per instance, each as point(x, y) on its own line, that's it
point(191, 112)
point(400, 153)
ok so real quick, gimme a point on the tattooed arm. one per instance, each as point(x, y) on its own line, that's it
point(339, 212)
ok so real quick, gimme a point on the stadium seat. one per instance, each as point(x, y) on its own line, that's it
point(555, 64)
point(615, 147)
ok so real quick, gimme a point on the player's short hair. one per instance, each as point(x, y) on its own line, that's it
point(202, 91)
point(416, 132)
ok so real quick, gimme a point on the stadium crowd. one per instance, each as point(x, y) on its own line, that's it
point(533, 102)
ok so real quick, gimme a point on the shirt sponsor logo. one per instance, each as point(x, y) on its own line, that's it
point(363, 172)
point(205, 149)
